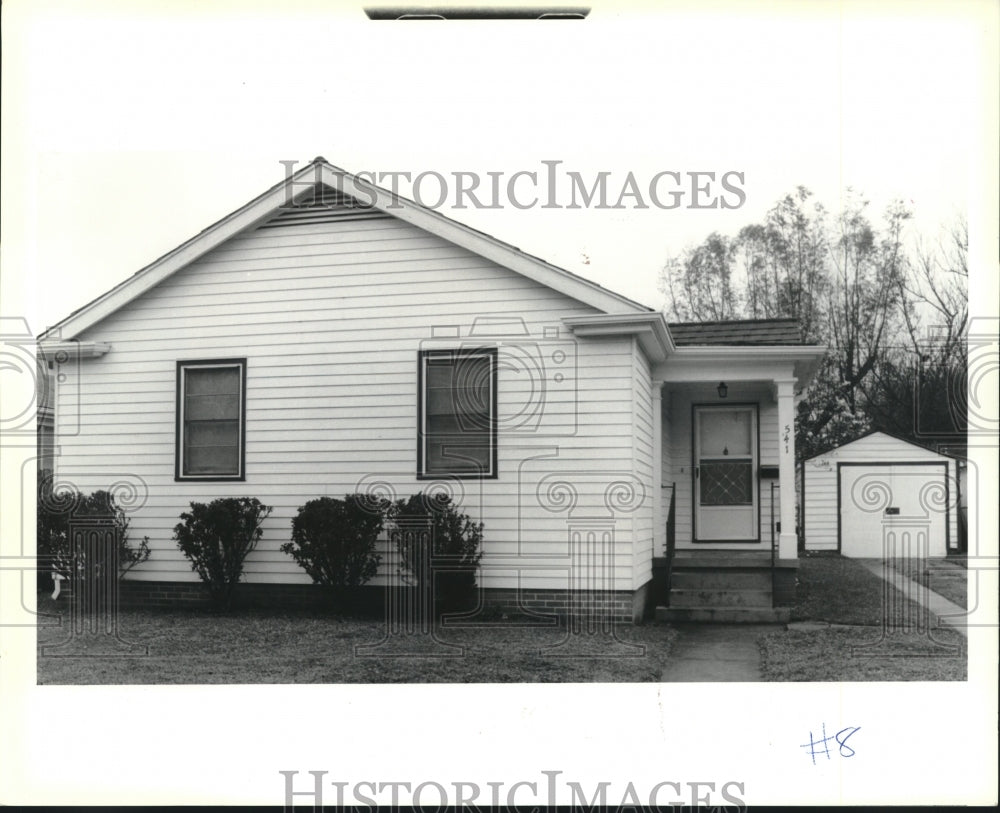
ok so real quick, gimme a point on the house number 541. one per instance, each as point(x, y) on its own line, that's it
point(787, 435)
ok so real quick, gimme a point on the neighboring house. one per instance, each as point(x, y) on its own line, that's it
point(880, 496)
point(312, 344)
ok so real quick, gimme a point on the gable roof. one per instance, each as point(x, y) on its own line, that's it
point(302, 185)
point(872, 433)
point(760, 332)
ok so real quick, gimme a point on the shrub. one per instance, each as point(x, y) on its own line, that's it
point(55, 512)
point(449, 553)
point(217, 538)
point(334, 540)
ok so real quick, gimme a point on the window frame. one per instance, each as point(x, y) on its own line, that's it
point(491, 354)
point(182, 366)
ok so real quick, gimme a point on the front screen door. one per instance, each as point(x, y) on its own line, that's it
point(725, 460)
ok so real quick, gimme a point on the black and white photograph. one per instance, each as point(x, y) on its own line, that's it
point(494, 405)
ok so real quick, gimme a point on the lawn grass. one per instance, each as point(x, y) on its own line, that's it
point(863, 654)
point(258, 647)
point(946, 577)
point(886, 636)
point(839, 590)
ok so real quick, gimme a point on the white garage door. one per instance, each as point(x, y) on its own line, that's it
point(893, 509)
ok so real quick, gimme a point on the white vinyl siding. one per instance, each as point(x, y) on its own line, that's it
point(642, 518)
point(668, 474)
point(331, 319)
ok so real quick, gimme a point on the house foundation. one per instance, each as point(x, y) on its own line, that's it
point(594, 607)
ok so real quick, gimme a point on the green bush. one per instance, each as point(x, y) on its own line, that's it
point(448, 552)
point(217, 538)
point(334, 540)
point(56, 510)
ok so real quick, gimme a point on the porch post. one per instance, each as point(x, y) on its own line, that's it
point(659, 524)
point(785, 394)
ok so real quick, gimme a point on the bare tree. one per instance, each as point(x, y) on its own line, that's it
point(920, 391)
point(784, 261)
point(699, 284)
point(863, 307)
point(940, 287)
point(776, 268)
point(855, 287)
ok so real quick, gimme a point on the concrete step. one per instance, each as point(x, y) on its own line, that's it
point(724, 615)
point(717, 560)
point(719, 598)
point(721, 579)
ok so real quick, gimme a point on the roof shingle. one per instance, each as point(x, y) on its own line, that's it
point(761, 332)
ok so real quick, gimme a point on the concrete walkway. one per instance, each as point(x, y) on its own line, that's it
point(712, 653)
point(946, 612)
point(705, 653)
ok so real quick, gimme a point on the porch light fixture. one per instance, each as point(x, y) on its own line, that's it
point(723, 389)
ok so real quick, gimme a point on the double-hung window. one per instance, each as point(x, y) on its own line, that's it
point(457, 422)
point(211, 420)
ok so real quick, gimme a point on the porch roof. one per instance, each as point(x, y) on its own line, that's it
point(758, 332)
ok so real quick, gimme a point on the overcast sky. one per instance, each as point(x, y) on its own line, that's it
point(128, 131)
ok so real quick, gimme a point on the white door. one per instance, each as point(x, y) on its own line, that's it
point(893, 509)
point(725, 487)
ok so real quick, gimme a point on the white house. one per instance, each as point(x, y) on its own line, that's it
point(329, 337)
point(44, 397)
point(880, 496)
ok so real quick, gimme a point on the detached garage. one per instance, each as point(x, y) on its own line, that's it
point(880, 495)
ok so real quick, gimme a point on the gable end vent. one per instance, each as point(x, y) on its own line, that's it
point(323, 205)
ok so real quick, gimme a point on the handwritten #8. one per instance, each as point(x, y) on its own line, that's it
point(821, 747)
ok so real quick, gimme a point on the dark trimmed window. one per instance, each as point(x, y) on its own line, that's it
point(211, 419)
point(457, 404)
